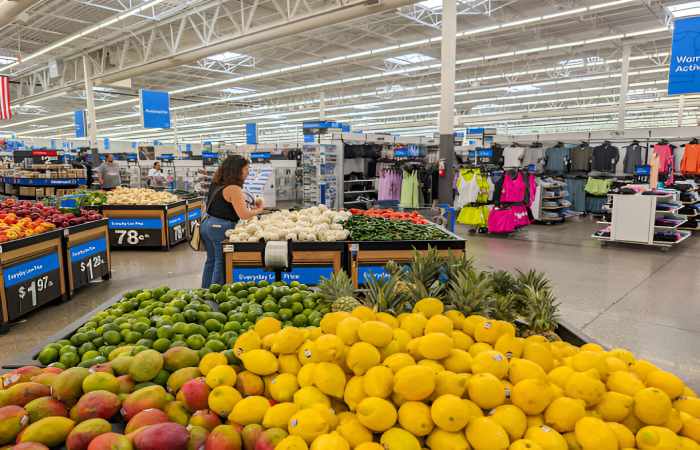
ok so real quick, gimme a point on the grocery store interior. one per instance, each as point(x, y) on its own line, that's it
point(530, 164)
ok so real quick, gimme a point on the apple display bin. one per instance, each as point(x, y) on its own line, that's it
point(87, 254)
point(309, 262)
point(146, 226)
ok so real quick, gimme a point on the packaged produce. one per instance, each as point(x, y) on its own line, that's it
point(310, 224)
point(366, 228)
point(390, 214)
point(139, 196)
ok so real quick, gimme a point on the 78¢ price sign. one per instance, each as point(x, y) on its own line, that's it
point(135, 232)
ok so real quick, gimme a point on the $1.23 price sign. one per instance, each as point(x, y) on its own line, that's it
point(32, 283)
point(128, 232)
point(176, 228)
point(88, 262)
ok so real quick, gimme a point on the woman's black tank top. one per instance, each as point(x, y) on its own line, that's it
point(220, 207)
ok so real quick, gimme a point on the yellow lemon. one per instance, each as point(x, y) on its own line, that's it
point(305, 376)
point(289, 364)
point(584, 387)
point(283, 387)
point(447, 382)
point(415, 417)
point(414, 382)
point(330, 441)
point(522, 369)
point(674, 422)
point(448, 413)
point(457, 318)
point(376, 414)
point(633, 423)
point(653, 438)
point(540, 353)
point(625, 438)
point(593, 433)
point(471, 322)
point(220, 376)
point(690, 405)
point(310, 395)
point(691, 429)
point(361, 357)
point(667, 382)
point(402, 338)
point(267, 325)
point(277, 416)
point(250, 340)
point(461, 340)
point(414, 324)
point(643, 368)
point(535, 421)
point(328, 414)
point(222, 399)
point(292, 443)
point(531, 395)
point(563, 413)
point(260, 362)
point(435, 346)
point(614, 407)
point(388, 319)
point(586, 360)
point(378, 382)
point(354, 392)
point(512, 419)
point(623, 354)
point(249, 410)
point(486, 390)
point(398, 439)
point(652, 406)
point(347, 328)
point(615, 364)
point(308, 424)
point(560, 375)
point(459, 361)
point(434, 365)
point(479, 347)
point(439, 324)
point(429, 307)
point(627, 383)
point(487, 331)
point(444, 440)
point(364, 313)
point(510, 346)
point(328, 348)
point(211, 360)
point(306, 354)
point(546, 437)
point(398, 361)
point(525, 444)
point(484, 433)
point(354, 432)
point(329, 378)
point(330, 321)
point(368, 446)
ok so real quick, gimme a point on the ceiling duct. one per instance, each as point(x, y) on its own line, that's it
point(10, 9)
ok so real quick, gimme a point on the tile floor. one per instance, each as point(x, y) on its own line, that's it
point(635, 297)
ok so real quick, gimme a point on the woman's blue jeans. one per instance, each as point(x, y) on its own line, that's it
point(212, 234)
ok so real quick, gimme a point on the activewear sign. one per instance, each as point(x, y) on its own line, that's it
point(155, 109)
point(684, 76)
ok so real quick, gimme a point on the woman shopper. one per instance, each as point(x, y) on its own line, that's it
point(226, 205)
point(156, 178)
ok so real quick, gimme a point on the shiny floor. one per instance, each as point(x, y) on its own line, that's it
point(635, 297)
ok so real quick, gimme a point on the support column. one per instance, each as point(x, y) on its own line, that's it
point(90, 103)
point(322, 106)
point(624, 85)
point(681, 110)
point(447, 97)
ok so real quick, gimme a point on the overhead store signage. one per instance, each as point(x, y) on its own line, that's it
point(80, 123)
point(155, 109)
point(251, 133)
point(684, 76)
point(260, 156)
point(106, 143)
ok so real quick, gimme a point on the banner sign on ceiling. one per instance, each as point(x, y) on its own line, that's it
point(155, 109)
point(251, 133)
point(684, 75)
point(106, 143)
point(80, 123)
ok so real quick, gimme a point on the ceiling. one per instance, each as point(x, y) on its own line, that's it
point(523, 66)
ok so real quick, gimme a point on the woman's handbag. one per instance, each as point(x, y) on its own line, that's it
point(196, 237)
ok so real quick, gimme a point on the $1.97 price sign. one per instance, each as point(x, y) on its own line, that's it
point(88, 262)
point(177, 227)
point(128, 232)
point(30, 284)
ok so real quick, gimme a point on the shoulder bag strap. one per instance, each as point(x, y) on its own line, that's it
point(211, 199)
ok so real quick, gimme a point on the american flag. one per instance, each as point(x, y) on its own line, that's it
point(5, 111)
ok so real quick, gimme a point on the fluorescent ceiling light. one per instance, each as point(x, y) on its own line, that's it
point(431, 4)
point(522, 88)
point(684, 9)
point(7, 60)
point(227, 57)
point(409, 58)
point(365, 106)
point(238, 90)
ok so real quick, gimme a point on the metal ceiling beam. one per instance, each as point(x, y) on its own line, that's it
point(10, 9)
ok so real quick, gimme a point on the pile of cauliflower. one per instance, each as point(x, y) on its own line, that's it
point(139, 196)
point(310, 224)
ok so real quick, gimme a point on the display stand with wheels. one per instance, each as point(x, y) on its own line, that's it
point(146, 226)
point(87, 254)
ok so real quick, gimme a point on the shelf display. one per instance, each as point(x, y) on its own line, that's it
point(20, 219)
point(390, 214)
point(322, 164)
point(366, 228)
point(147, 226)
point(310, 224)
point(139, 196)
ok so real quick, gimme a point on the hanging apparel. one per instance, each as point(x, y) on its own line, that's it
point(535, 157)
point(633, 158)
point(577, 193)
point(690, 165)
point(501, 221)
point(389, 186)
point(678, 154)
point(605, 158)
point(513, 156)
point(595, 204)
point(475, 216)
point(513, 189)
point(558, 158)
point(597, 186)
point(520, 215)
point(410, 190)
point(581, 157)
point(497, 155)
point(666, 164)
point(620, 166)
point(467, 188)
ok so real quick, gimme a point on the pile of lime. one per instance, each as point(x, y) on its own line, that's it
point(206, 320)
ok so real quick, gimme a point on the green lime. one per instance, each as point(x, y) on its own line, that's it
point(106, 350)
point(178, 344)
point(151, 333)
point(48, 355)
point(220, 297)
point(190, 316)
point(214, 288)
point(226, 307)
point(180, 328)
point(87, 356)
point(196, 341)
point(138, 349)
point(161, 345)
point(145, 342)
point(132, 337)
point(78, 339)
point(69, 359)
point(232, 326)
point(162, 378)
point(300, 320)
point(140, 327)
point(297, 297)
point(243, 293)
point(215, 345)
point(270, 306)
point(192, 328)
point(245, 326)
point(165, 331)
point(285, 314)
point(86, 347)
point(297, 307)
point(309, 303)
point(203, 351)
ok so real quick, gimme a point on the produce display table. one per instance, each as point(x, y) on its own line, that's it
point(195, 209)
point(310, 262)
point(146, 226)
point(33, 274)
point(87, 254)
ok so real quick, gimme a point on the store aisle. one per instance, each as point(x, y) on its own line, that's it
point(635, 297)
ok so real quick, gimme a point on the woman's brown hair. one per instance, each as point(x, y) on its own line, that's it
point(230, 172)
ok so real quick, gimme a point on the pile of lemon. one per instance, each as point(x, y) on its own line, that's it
point(439, 380)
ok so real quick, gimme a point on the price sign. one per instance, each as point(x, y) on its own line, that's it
point(89, 262)
point(366, 272)
point(310, 275)
point(131, 232)
point(31, 284)
point(193, 217)
point(176, 228)
point(252, 274)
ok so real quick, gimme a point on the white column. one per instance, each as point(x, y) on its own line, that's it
point(447, 96)
point(322, 106)
point(681, 110)
point(624, 85)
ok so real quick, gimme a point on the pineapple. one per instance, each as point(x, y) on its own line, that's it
point(382, 295)
point(339, 291)
point(470, 292)
point(503, 307)
point(503, 282)
point(542, 312)
point(423, 278)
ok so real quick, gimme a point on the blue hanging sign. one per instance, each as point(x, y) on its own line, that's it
point(80, 117)
point(106, 143)
point(251, 133)
point(167, 157)
point(309, 138)
point(401, 153)
point(684, 75)
point(642, 171)
point(134, 145)
point(188, 147)
point(155, 109)
point(210, 155)
point(260, 156)
point(475, 131)
point(131, 157)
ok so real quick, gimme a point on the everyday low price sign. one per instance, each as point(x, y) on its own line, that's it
point(31, 284)
point(133, 232)
point(684, 75)
point(193, 217)
point(176, 228)
point(88, 262)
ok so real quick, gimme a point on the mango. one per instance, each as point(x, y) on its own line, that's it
point(198, 438)
point(126, 384)
point(83, 433)
point(177, 413)
point(125, 350)
point(179, 357)
point(269, 439)
point(29, 446)
point(12, 420)
point(121, 364)
point(224, 437)
point(101, 381)
point(137, 401)
point(97, 405)
point(250, 435)
point(110, 441)
point(248, 383)
point(102, 368)
point(146, 365)
point(68, 385)
point(50, 431)
point(195, 394)
point(52, 369)
point(182, 376)
point(161, 378)
point(146, 417)
point(22, 393)
point(45, 407)
point(206, 419)
point(170, 436)
point(21, 375)
point(45, 378)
